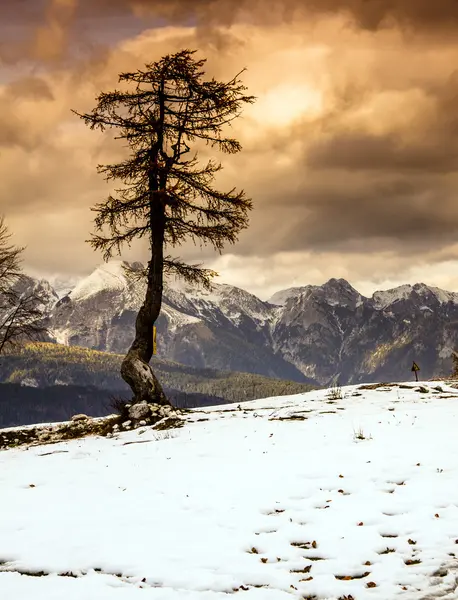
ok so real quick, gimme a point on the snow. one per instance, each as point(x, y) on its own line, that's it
point(62, 284)
point(385, 298)
point(176, 318)
point(109, 276)
point(443, 297)
point(228, 300)
point(281, 298)
point(29, 382)
point(240, 498)
point(61, 335)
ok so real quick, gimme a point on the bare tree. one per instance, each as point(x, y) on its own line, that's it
point(167, 195)
point(21, 308)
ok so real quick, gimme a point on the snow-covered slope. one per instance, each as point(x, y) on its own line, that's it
point(280, 298)
point(298, 497)
point(109, 276)
point(383, 300)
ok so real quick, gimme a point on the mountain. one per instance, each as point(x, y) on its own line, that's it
point(306, 334)
point(226, 329)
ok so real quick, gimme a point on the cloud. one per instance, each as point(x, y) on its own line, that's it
point(44, 30)
point(367, 14)
point(51, 39)
point(350, 151)
point(34, 30)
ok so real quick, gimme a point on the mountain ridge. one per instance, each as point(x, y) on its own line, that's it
point(320, 333)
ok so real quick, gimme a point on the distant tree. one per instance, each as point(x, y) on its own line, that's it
point(455, 364)
point(20, 307)
point(167, 195)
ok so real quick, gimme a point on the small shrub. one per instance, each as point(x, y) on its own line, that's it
point(119, 405)
point(358, 434)
point(335, 392)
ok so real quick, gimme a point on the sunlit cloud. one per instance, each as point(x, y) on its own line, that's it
point(350, 152)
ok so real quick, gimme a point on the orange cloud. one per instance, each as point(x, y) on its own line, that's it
point(350, 150)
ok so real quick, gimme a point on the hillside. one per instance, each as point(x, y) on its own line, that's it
point(296, 497)
point(49, 382)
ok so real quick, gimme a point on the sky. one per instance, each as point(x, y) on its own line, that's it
point(350, 152)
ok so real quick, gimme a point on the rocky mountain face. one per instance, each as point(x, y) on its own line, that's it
point(39, 294)
point(320, 333)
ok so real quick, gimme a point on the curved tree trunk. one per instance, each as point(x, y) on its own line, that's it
point(135, 368)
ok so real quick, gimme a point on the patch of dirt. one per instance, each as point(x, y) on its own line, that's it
point(305, 545)
point(351, 577)
point(294, 417)
point(375, 386)
point(387, 551)
point(9, 568)
point(306, 569)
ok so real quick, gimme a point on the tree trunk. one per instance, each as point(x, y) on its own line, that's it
point(135, 368)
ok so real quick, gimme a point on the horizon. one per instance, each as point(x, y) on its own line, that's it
point(349, 153)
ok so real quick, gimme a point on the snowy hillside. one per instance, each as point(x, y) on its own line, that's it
point(309, 496)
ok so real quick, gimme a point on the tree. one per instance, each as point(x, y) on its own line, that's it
point(20, 306)
point(167, 195)
point(455, 364)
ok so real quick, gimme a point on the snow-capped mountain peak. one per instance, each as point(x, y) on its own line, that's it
point(318, 332)
point(281, 298)
point(334, 292)
point(109, 276)
point(384, 299)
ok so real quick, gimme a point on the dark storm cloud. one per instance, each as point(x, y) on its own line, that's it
point(359, 151)
point(355, 214)
point(402, 215)
point(355, 183)
point(58, 15)
point(373, 14)
point(368, 14)
point(35, 29)
point(429, 145)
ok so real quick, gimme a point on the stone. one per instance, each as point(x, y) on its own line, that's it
point(126, 424)
point(80, 418)
point(139, 411)
point(116, 427)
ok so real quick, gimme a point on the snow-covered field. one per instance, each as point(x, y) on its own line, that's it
point(279, 500)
